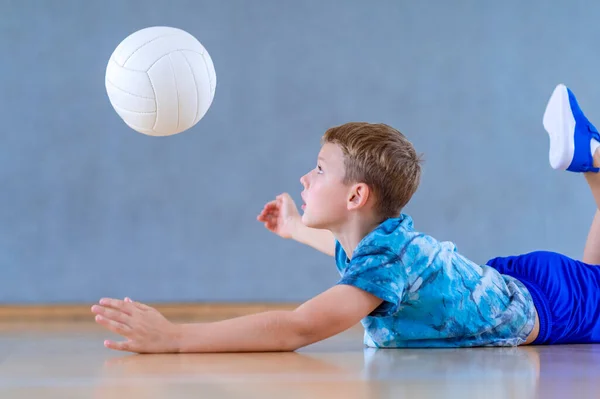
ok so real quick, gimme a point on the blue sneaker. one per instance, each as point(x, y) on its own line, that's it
point(570, 133)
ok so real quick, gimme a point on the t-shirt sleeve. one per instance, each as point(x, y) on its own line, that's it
point(379, 272)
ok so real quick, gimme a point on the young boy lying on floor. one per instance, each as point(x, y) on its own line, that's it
point(405, 287)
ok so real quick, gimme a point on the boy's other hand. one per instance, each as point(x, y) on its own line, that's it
point(145, 328)
point(281, 216)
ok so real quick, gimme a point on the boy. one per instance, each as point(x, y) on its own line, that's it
point(407, 289)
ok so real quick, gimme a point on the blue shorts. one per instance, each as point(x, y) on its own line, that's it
point(566, 294)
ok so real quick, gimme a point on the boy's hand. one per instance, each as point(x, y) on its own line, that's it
point(146, 330)
point(281, 216)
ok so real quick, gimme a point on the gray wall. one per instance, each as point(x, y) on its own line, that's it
point(89, 208)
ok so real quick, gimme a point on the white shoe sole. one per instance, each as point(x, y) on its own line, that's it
point(560, 125)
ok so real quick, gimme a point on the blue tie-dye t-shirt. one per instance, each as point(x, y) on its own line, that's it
point(433, 296)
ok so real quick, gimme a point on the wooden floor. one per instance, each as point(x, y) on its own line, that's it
point(54, 360)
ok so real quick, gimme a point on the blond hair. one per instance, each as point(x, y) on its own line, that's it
point(381, 157)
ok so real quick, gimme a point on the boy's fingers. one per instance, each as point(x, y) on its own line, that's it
point(119, 346)
point(268, 209)
point(138, 305)
point(284, 197)
point(264, 218)
point(268, 214)
point(112, 314)
point(270, 205)
point(272, 222)
point(114, 326)
point(128, 308)
point(262, 215)
point(141, 306)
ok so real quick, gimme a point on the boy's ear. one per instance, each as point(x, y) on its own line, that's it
point(359, 195)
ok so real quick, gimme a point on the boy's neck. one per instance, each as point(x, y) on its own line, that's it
point(352, 232)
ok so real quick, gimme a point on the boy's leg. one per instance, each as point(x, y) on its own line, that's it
point(574, 143)
point(565, 292)
point(591, 252)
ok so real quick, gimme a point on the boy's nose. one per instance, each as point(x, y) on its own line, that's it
point(304, 180)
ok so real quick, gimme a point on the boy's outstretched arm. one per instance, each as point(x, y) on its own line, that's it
point(281, 217)
point(147, 331)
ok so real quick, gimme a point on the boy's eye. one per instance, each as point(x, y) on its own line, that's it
point(319, 169)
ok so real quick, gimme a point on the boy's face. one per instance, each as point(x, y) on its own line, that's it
point(324, 194)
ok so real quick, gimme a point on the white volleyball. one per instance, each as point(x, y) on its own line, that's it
point(160, 80)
